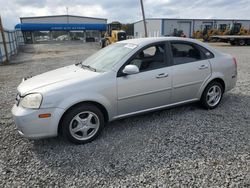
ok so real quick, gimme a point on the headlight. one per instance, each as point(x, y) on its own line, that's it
point(33, 100)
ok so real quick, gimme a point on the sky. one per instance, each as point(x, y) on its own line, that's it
point(125, 11)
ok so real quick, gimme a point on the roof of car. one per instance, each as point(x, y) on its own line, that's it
point(149, 40)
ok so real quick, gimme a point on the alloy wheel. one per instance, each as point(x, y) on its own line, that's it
point(213, 95)
point(84, 125)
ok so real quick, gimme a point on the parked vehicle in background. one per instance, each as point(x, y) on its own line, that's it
point(123, 79)
point(63, 38)
point(113, 34)
point(234, 40)
point(42, 38)
point(235, 35)
point(178, 33)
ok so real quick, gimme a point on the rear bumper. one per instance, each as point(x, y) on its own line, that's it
point(232, 83)
point(31, 126)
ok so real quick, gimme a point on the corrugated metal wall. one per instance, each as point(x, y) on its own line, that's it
point(13, 40)
point(188, 26)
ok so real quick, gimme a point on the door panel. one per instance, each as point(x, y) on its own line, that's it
point(190, 70)
point(188, 78)
point(144, 90)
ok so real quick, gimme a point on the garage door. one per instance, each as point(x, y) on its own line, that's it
point(185, 27)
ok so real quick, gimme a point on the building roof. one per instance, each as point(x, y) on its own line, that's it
point(61, 16)
point(191, 19)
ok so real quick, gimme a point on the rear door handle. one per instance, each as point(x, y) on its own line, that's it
point(203, 67)
point(162, 75)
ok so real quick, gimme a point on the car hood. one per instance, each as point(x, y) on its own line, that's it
point(68, 73)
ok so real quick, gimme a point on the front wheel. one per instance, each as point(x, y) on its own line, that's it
point(212, 95)
point(82, 124)
point(102, 42)
point(107, 43)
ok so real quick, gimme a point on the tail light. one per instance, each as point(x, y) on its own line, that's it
point(235, 63)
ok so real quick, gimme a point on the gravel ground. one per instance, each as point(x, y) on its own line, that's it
point(181, 147)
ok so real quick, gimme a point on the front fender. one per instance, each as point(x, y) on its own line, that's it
point(93, 97)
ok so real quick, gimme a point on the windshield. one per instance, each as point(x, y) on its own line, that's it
point(107, 57)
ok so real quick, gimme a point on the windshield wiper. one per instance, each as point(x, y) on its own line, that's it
point(86, 66)
point(89, 67)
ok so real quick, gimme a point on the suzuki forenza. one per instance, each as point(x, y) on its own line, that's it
point(123, 79)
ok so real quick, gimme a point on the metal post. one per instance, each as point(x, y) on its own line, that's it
point(68, 32)
point(144, 20)
point(4, 42)
point(50, 36)
point(10, 42)
point(33, 37)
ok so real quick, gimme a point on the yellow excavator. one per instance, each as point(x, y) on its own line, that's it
point(208, 33)
point(237, 29)
point(205, 33)
point(113, 34)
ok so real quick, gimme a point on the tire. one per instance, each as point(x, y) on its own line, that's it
point(241, 42)
point(103, 43)
point(106, 42)
point(82, 124)
point(212, 95)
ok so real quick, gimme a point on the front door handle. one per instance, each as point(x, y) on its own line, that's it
point(162, 75)
point(203, 67)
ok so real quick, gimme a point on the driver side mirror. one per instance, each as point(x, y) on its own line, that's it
point(130, 69)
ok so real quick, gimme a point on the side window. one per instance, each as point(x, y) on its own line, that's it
point(207, 53)
point(150, 51)
point(185, 53)
point(150, 58)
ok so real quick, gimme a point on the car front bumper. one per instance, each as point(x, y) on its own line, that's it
point(31, 126)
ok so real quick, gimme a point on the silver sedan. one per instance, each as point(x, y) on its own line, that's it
point(126, 78)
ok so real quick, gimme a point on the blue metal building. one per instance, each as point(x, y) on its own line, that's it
point(61, 27)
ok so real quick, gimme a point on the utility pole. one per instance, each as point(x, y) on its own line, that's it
point(4, 42)
point(68, 32)
point(144, 20)
point(67, 10)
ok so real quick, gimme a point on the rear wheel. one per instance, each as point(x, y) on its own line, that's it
point(82, 124)
point(212, 95)
point(241, 42)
